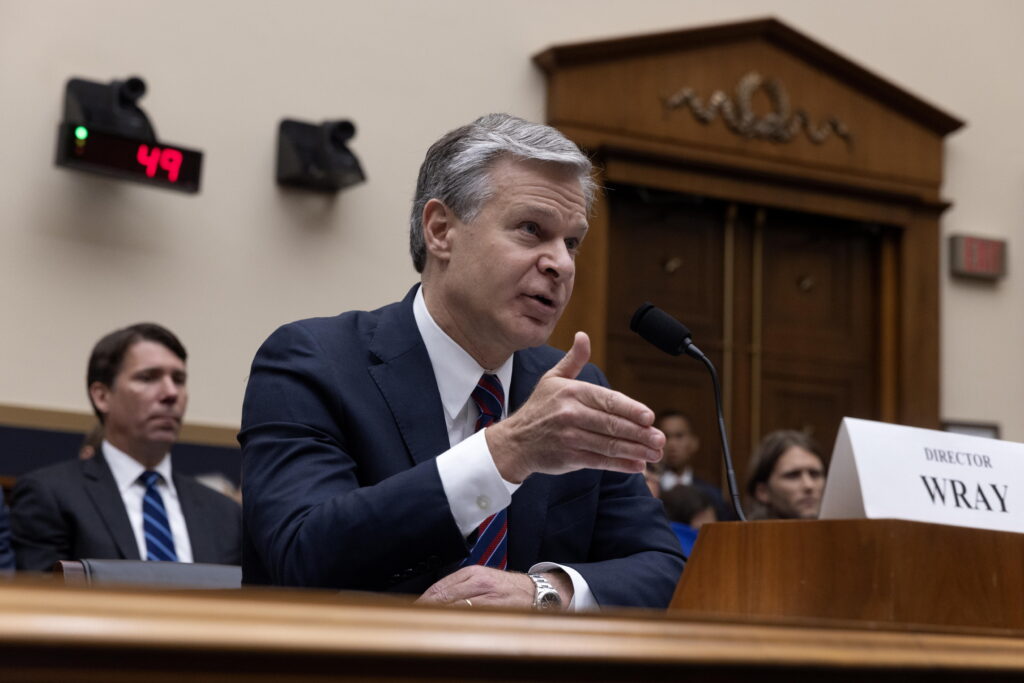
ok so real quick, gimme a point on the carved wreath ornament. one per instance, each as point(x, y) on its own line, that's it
point(777, 126)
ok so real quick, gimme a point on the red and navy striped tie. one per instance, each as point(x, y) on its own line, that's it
point(491, 548)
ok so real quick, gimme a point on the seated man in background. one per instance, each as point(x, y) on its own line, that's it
point(125, 502)
point(435, 446)
point(681, 445)
point(787, 477)
point(6, 552)
point(688, 509)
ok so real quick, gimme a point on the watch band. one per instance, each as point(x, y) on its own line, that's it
point(546, 596)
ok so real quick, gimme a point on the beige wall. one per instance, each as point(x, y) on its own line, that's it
point(80, 255)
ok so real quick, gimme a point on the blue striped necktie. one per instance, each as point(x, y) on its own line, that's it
point(155, 527)
point(491, 547)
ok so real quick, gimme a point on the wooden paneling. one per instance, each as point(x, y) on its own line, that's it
point(819, 336)
point(919, 331)
point(667, 248)
point(68, 420)
point(880, 572)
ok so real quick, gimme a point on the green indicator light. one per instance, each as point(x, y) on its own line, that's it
point(81, 132)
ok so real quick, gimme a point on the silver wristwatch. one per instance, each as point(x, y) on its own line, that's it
point(546, 597)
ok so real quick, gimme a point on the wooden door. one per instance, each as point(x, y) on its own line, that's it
point(760, 115)
point(783, 303)
point(818, 325)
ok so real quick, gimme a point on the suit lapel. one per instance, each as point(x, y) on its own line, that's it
point(406, 381)
point(102, 489)
point(528, 512)
point(203, 544)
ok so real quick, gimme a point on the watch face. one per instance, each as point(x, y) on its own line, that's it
point(546, 597)
point(549, 601)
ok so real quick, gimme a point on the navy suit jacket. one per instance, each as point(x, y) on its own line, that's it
point(74, 510)
point(6, 552)
point(341, 425)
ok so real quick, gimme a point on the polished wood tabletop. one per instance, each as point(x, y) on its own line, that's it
point(49, 631)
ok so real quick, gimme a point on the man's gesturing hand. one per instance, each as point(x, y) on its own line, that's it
point(568, 425)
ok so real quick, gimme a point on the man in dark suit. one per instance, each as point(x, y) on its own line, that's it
point(681, 446)
point(435, 446)
point(126, 502)
point(6, 552)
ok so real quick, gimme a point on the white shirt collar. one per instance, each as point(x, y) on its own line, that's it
point(455, 371)
point(127, 470)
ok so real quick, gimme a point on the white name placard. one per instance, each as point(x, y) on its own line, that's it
point(880, 470)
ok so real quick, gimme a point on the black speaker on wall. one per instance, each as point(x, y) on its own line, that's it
point(316, 157)
point(109, 107)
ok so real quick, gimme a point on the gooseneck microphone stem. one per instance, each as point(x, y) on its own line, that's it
point(673, 337)
point(730, 474)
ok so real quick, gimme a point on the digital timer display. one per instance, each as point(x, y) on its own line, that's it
point(87, 149)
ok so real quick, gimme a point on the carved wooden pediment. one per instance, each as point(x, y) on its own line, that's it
point(752, 94)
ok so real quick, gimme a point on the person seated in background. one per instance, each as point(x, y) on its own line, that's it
point(681, 445)
point(436, 446)
point(6, 551)
point(787, 477)
point(688, 508)
point(125, 502)
point(91, 442)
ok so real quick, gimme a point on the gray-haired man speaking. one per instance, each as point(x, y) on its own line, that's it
point(436, 446)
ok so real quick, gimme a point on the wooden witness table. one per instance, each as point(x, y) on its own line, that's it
point(49, 631)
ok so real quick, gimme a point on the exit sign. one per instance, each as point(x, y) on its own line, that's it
point(977, 257)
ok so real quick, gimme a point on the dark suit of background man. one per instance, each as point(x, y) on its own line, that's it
point(94, 508)
point(681, 446)
point(361, 467)
point(6, 551)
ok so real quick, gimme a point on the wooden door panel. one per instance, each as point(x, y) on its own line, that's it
point(813, 402)
point(819, 289)
point(666, 248)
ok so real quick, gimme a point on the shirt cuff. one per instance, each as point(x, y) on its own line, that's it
point(472, 483)
point(583, 599)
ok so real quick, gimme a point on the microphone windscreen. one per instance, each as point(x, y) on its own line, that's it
point(660, 329)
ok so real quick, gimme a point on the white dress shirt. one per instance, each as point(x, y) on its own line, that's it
point(670, 480)
point(474, 487)
point(126, 471)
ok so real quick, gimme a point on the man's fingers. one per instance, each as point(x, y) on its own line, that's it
point(645, 447)
point(572, 363)
point(614, 402)
point(586, 422)
point(596, 461)
point(451, 588)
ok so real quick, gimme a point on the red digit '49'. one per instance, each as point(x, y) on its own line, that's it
point(154, 157)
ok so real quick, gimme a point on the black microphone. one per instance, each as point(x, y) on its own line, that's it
point(664, 331)
point(673, 337)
